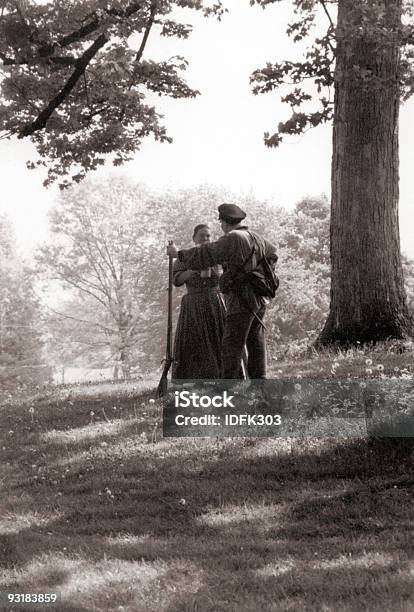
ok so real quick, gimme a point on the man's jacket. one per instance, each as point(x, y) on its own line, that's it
point(231, 251)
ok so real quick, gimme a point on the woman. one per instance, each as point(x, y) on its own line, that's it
point(197, 345)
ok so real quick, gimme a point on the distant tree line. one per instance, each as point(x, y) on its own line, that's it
point(107, 251)
point(21, 330)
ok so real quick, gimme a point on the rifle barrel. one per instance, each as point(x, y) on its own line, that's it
point(170, 290)
point(162, 387)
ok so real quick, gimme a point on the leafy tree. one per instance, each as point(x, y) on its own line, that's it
point(75, 79)
point(306, 232)
point(21, 332)
point(302, 302)
point(366, 57)
point(77, 334)
point(101, 249)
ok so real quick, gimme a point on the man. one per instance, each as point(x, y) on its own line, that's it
point(245, 310)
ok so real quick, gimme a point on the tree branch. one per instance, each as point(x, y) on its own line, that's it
point(109, 262)
point(64, 60)
point(93, 114)
point(89, 28)
point(24, 96)
point(94, 324)
point(61, 276)
point(20, 12)
point(322, 2)
point(81, 65)
point(141, 49)
point(84, 282)
point(86, 90)
point(89, 344)
point(150, 23)
point(94, 263)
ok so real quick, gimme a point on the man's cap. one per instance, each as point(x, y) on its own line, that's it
point(231, 212)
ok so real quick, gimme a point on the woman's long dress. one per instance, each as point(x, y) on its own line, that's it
point(200, 326)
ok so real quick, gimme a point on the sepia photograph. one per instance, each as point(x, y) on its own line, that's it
point(206, 305)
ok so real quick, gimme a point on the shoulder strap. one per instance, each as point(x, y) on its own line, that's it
point(248, 258)
point(256, 248)
point(253, 249)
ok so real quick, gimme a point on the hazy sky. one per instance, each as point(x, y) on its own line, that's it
point(218, 137)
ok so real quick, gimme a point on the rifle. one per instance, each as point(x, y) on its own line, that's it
point(162, 385)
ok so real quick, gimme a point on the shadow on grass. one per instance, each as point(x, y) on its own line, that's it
point(214, 525)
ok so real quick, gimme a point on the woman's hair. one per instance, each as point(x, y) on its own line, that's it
point(199, 227)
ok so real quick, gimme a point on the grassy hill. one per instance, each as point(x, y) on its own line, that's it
point(97, 506)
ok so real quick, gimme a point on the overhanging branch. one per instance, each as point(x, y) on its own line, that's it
point(89, 28)
point(46, 50)
point(322, 2)
point(81, 65)
point(141, 49)
point(64, 60)
point(150, 23)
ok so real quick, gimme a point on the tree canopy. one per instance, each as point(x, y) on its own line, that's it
point(310, 80)
point(75, 78)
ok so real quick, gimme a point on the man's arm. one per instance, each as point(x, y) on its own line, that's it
point(180, 274)
point(207, 255)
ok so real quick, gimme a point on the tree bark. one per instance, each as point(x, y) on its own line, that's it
point(125, 363)
point(368, 301)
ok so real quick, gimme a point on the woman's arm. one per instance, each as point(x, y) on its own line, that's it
point(182, 277)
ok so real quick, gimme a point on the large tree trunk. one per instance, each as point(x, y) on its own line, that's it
point(368, 300)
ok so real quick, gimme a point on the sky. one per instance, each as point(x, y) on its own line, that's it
point(218, 137)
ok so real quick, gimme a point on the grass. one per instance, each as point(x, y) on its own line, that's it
point(97, 507)
point(384, 360)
